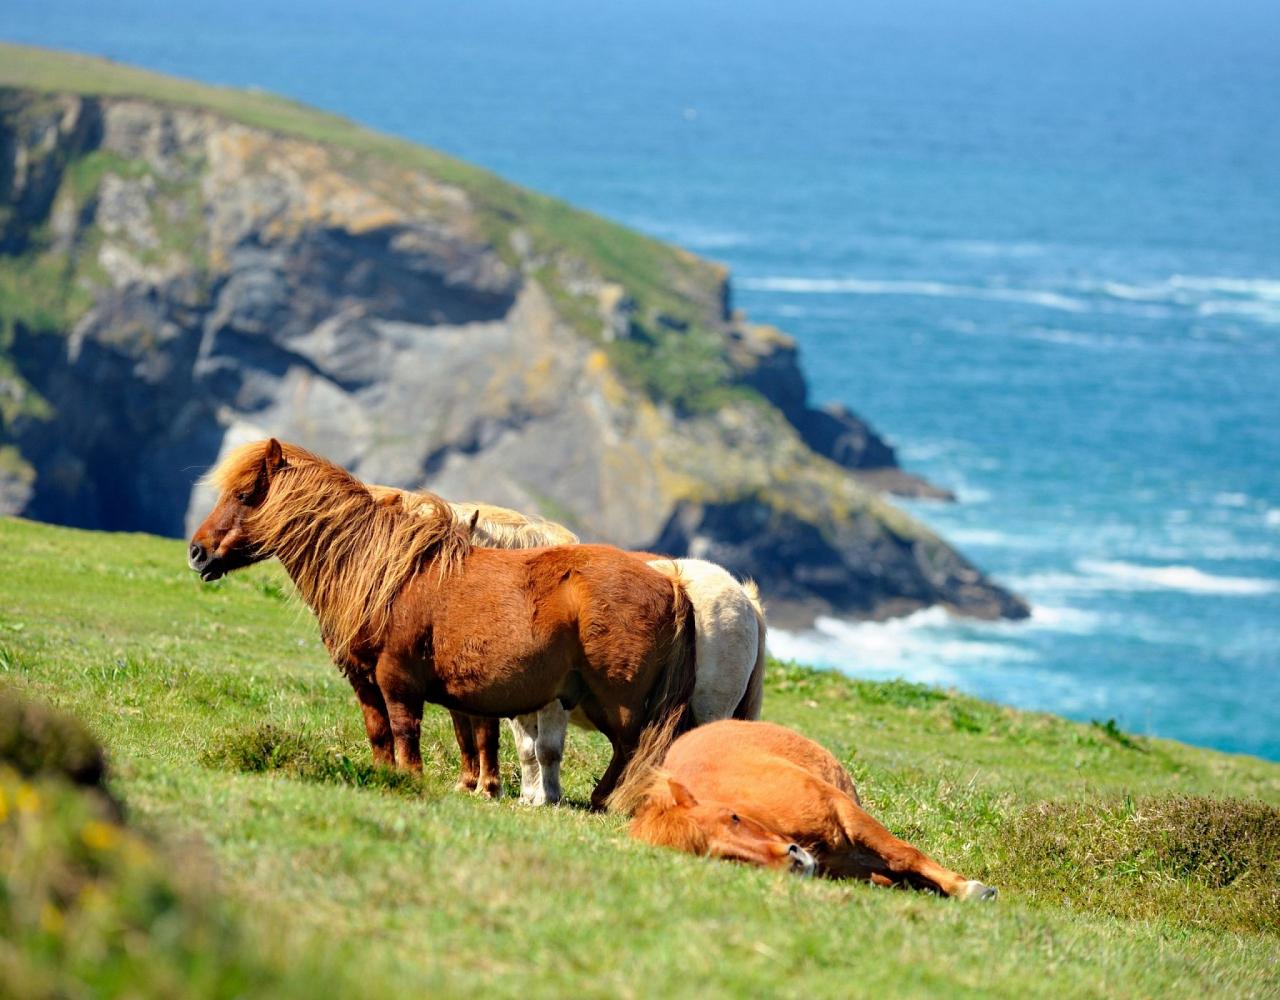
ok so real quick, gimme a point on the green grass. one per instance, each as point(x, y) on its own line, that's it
point(1127, 866)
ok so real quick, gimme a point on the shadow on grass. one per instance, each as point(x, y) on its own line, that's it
point(268, 747)
point(1189, 860)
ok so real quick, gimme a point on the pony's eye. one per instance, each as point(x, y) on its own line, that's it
point(735, 819)
point(244, 497)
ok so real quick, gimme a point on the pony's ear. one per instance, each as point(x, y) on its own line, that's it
point(471, 526)
point(680, 794)
point(274, 456)
point(390, 500)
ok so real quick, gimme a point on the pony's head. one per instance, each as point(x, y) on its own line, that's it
point(223, 542)
point(672, 817)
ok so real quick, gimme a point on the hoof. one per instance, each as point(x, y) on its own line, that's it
point(976, 890)
point(802, 862)
point(489, 791)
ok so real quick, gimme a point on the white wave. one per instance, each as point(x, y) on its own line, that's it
point(1136, 293)
point(1262, 288)
point(983, 536)
point(1069, 338)
point(1264, 312)
point(1231, 499)
point(1254, 298)
point(928, 646)
point(1132, 576)
point(1063, 619)
point(931, 289)
point(1091, 341)
point(1272, 518)
point(988, 248)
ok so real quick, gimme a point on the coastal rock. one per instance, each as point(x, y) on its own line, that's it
point(194, 280)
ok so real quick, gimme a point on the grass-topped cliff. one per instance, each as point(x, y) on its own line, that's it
point(263, 848)
point(205, 264)
point(674, 291)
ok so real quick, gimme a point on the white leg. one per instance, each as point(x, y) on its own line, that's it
point(552, 723)
point(525, 730)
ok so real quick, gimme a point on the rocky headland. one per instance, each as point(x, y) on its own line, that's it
point(184, 267)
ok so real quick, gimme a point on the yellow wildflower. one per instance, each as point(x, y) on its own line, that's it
point(100, 836)
point(27, 799)
point(51, 921)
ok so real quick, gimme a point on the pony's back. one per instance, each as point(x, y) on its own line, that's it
point(491, 526)
point(739, 746)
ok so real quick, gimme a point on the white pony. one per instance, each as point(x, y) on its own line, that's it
point(729, 646)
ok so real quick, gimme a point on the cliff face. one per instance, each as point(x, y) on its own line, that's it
point(178, 275)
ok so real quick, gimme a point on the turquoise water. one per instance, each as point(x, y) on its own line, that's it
point(1040, 250)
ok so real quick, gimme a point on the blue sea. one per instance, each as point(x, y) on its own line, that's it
point(1037, 245)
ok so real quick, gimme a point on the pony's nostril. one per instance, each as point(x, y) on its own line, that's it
point(196, 554)
point(794, 851)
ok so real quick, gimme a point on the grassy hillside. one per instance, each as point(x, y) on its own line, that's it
point(236, 744)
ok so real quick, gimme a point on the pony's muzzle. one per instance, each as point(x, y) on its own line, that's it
point(198, 557)
point(202, 561)
point(802, 862)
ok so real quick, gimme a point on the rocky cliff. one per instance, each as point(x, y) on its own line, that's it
point(183, 268)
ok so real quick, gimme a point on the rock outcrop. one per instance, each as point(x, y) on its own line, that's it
point(179, 275)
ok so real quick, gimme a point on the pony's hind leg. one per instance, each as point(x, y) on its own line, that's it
point(377, 724)
point(468, 758)
point(525, 730)
point(620, 727)
point(553, 723)
point(876, 854)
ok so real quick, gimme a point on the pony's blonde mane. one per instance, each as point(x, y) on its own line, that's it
point(495, 527)
point(658, 820)
point(348, 555)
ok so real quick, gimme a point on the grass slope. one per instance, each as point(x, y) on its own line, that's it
point(227, 728)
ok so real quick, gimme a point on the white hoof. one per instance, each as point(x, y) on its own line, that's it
point(976, 890)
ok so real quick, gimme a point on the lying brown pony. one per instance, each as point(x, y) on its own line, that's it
point(774, 778)
point(414, 614)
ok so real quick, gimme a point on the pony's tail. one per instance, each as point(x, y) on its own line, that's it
point(753, 697)
point(667, 710)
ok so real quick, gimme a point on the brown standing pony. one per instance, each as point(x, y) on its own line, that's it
point(773, 778)
point(730, 650)
point(415, 614)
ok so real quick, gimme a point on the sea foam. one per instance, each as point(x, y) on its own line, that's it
point(931, 289)
point(1133, 576)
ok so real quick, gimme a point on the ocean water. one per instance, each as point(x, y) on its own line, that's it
point(1038, 248)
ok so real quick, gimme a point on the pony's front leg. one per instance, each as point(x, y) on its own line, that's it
point(404, 708)
point(525, 730)
point(377, 724)
point(487, 731)
point(553, 722)
point(468, 760)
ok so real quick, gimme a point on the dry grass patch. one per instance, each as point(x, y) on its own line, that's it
point(1189, 860)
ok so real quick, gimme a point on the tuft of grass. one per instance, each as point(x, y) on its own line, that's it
point(271, 747)
point(89, 907)
point(1113, 732)
point(1184, 859)
point(37, 740)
